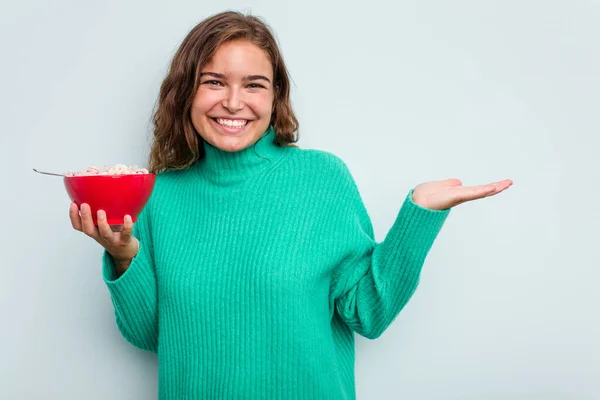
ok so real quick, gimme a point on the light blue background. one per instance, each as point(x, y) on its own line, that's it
point(404, 92)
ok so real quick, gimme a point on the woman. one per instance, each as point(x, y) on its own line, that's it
point(254, 260)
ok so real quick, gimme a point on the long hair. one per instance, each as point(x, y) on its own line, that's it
point(176, 143)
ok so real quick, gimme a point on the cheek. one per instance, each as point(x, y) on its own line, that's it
point(203, 102)
point(262, 105)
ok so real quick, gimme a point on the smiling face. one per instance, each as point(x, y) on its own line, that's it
point(233, 105)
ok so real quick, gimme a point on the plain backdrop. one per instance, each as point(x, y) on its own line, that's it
point(404, 92)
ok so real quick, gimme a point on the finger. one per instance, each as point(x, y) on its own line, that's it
point(468, 193)
point(104, 228)
point(74, 216)
point(485, 190)
point(490, 191)
point(453, 182)
point(87, 222)
point(505, 184)
point(502, 184)
point(127, 229)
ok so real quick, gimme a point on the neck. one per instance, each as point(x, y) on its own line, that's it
point(230, 168)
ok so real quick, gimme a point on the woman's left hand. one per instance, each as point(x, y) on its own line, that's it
point(441, 195)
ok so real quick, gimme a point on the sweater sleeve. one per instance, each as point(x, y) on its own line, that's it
point(134, 293)
point(372, 281)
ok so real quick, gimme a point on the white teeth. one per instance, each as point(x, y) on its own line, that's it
point(232, 123)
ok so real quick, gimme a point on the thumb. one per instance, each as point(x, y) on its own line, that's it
point(453, 182)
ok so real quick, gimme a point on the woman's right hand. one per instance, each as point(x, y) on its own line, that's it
point(121, 245)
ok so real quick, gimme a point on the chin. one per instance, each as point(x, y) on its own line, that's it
point(232, 144)
point(231, 147)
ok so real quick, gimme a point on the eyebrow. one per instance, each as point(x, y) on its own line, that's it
point(246, 78)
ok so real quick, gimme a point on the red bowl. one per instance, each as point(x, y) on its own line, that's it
point(117, 195)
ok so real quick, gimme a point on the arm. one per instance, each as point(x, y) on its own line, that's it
point(134, 291)
point(373, 281)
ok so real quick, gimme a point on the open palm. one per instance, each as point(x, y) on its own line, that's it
point(441, 195)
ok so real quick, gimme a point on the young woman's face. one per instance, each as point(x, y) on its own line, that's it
point(233, 105)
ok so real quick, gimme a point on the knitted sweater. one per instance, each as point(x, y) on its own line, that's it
point(255, 269)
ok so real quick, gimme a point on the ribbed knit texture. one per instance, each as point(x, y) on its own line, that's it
point(255, 269)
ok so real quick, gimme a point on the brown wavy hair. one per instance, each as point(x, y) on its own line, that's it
point(176, 143)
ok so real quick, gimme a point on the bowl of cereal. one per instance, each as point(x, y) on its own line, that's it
point(118, 190)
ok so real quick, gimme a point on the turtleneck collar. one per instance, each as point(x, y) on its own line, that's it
point(229, 168)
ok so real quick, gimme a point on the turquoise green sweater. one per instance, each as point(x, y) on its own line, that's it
point(256, 268)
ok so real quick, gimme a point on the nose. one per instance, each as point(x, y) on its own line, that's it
point(234, 100)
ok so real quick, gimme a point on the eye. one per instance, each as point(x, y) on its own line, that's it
point(212, 83)
point(255, 86)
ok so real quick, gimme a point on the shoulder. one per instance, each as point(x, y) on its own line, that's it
point(168, 179)
point(167, 191)
point(322, 162)
point(168, 184)
point(323, 171)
